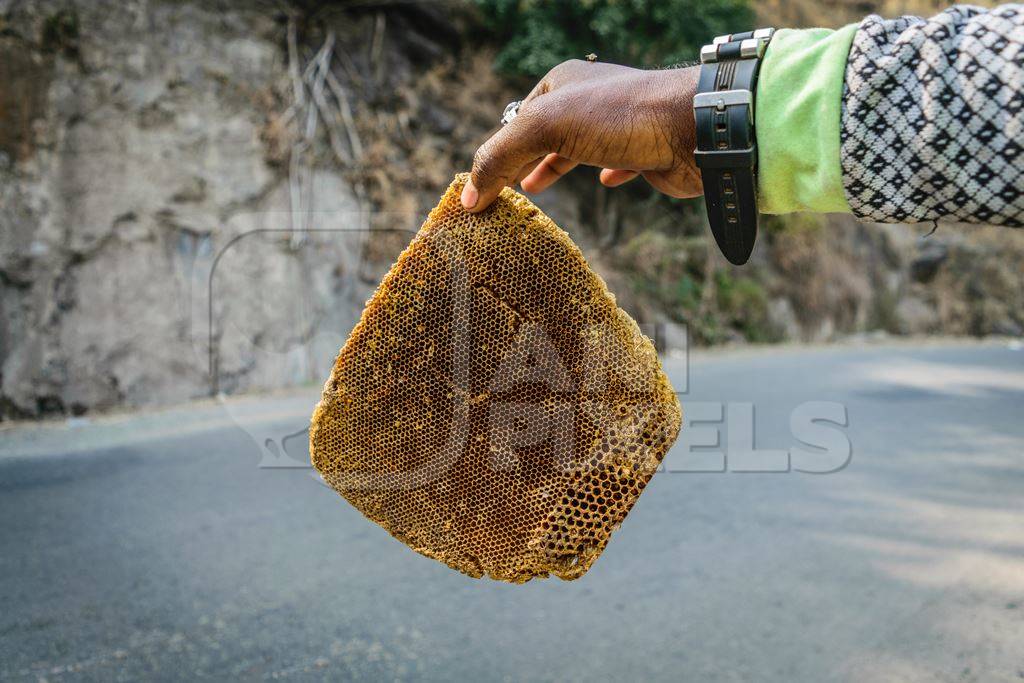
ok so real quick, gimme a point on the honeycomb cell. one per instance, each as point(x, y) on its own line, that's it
point(494, 408)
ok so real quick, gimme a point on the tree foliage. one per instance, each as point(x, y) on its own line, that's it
point(538, 34)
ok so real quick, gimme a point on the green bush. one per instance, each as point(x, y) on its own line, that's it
point(743, 304)
point(535, 35)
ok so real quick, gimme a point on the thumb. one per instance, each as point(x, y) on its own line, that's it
point(498, 160)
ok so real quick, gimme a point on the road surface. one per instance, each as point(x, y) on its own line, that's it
point(154, 546)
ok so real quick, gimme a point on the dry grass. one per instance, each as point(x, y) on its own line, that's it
point(428, 134)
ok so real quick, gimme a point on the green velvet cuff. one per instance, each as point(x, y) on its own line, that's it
point(798, 111)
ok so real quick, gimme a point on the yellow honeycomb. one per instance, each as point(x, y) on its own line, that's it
point(494, 408)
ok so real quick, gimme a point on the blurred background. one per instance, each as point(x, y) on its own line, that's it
point(196, 200)
point(174, 178)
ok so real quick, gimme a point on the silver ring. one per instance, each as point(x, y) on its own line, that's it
point(511, 111)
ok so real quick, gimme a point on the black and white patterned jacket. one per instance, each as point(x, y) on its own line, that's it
point(933, 118)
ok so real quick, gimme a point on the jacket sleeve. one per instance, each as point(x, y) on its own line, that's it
point(798, 116)
point(932, 122)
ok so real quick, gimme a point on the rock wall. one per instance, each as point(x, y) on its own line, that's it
point(198, 198)
point(842, 277)
point(134, 163)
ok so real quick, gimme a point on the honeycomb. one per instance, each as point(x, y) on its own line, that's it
point(494, 408)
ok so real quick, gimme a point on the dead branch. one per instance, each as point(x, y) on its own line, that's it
point(293, 62)
point(346, 115)
point(377, 46)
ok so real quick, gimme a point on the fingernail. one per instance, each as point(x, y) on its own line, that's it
point(469, 195)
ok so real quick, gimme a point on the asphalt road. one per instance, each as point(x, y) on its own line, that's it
point(154, 546)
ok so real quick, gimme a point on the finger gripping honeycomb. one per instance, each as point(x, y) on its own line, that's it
point(494, 409)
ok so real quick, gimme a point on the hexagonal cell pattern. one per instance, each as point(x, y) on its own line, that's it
point(494, 408)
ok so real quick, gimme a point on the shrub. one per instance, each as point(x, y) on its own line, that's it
point(535, 35)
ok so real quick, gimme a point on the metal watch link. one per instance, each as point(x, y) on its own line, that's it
point(726, 151)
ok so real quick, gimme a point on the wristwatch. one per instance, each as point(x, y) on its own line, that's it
point(726, 151)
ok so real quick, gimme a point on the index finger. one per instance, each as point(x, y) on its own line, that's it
point(499, 160)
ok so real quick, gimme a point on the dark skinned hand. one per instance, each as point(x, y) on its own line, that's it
point(627, 121)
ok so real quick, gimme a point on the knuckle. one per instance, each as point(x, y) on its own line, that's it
point(538, 118)
point(533, 117)
point(560, 71)
point(483, 162)
point(480, 156)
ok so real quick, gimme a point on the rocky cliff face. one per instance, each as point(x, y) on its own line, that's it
point(135, 157)
point(181, 213)
point(198, 197)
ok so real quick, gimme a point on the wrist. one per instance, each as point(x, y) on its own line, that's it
point(671, 93)
point(726, 151)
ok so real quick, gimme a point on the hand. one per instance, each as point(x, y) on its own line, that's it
point(628, 121)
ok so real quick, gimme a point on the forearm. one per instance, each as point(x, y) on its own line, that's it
point(929, 117)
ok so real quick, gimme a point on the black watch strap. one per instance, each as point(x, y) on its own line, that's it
point(726, 151)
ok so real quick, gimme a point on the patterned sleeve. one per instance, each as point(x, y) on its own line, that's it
point(932, 122)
